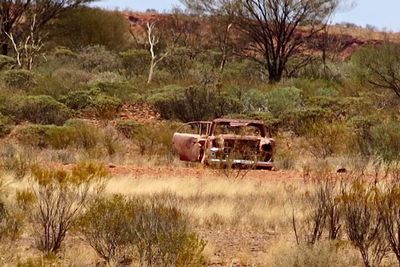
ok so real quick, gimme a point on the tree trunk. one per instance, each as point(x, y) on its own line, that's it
point(151, 72)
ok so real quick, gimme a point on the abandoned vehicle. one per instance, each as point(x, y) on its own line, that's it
point(226, 142)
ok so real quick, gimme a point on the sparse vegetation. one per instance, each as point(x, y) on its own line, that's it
point(83, 84)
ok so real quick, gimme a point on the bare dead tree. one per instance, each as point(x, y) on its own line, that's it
point(277, 30)
point(23, 25)
point(29, 48)
point(11, 12)
point(153, 41)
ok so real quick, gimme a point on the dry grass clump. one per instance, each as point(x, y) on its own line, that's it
point(217, 201)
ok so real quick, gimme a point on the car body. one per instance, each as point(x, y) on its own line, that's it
point(226, 142)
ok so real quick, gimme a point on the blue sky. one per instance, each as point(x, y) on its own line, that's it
point(379, 13)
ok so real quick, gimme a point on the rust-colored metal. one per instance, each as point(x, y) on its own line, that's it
point(232, 142)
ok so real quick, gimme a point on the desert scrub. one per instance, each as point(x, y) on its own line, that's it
point(93, 101)
point(20, 79)
point(149, 233)
point(40, 109)
point(55, 198)
point(73, 134)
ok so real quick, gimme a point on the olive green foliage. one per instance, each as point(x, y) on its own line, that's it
point(93, 101)
point(74, 134)
point(152, 141)
point(136, 62)
point(5, 128)
point(281, 100)
point(178, 63)
point(386, 141)
point(98, 59)
point(37, 109)
point(56, 198)
point(379, 66)
point(151, 234)
point(200, 102)
point(6, 62)
point(19, 79)
point(128, 128)
point(84, 26)
point(324, 140)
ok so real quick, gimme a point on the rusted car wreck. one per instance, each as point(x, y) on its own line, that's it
point(226, 142)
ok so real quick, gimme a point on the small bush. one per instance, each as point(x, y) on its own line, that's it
point(386, 141)
point(324, 140)
point(5, 128)
point(136, 62)
point(155, 234)
point(75, 133)
point(108, 226)
point(324, 255)
point(6, 62)
point(106, 106)
point(200, 102)
point(59, 197)
point(20, 79)
point(282, 100)
point(40, 109)
point(93, 101)
point(128, 128)
point(98, 59)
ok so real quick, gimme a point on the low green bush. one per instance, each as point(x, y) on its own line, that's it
point(20, 79)
point(136, 62)
point(6, 62)
point(98, 59)
point(40, 110)
point(282, 100)
point(194, 103)
point(5, 128)
point(75, 133)
point(93, 101)
point(386, 141)
point(152, 233)
point(128, 128)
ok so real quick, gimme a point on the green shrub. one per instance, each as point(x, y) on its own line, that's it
point(98, 59)
point(386, 141)
point(79, 99)
point(282, 100)
point(5, 128)
point(122, 90)
point(6, 62)
point(108, 227)
point(326, 139)
point(136, 62)
point(178, 63)
point(94, 101)
point(106, 106)
point(41, 110)
point(59, 197)
point(154, 141)
point(200, 102)
point(74, 133)
point(72, 78)
point(20, 79)
point(159, 234)
point(128, 128)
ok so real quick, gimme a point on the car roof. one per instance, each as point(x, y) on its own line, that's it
point(238, 121)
